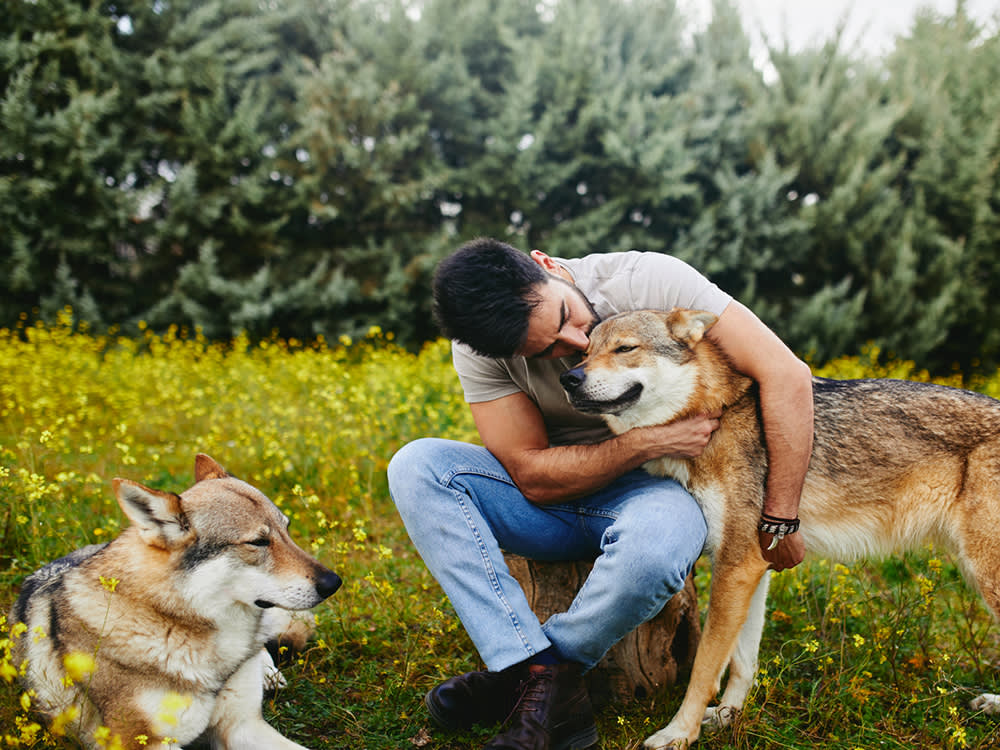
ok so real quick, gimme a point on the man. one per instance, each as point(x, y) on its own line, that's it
point(554, 484)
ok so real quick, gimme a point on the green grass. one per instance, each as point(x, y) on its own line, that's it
point(884, 655)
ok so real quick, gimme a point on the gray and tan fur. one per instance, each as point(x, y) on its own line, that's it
point(895, 464)
point(204, 580)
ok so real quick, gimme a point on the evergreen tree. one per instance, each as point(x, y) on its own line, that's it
point(946, 70)
point(878, 262)
point(214, 115)
point(132, 134)
point(742, 230)
point(577, 145)
point(817, 220)
point(64, 157)
point(301, 165)
point(370, 174)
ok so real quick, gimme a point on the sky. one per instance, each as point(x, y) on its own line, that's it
point(872, 25)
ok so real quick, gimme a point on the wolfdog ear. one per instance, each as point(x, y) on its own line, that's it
point(689, 326)
point(158, 515)
point(206, 467)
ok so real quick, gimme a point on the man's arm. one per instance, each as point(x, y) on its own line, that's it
point(512, 429)
point(785, 384)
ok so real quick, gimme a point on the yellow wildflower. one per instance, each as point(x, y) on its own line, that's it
point(78, 665)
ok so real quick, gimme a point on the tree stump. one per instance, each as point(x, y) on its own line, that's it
point(647, 659)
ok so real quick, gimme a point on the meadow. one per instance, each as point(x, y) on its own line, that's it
point(881, 655)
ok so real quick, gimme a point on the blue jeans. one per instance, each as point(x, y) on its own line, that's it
point(461, 509)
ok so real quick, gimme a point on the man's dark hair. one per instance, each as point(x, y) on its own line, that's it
point(484, 294)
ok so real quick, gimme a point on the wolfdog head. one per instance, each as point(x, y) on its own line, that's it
point(223, 542)
point(640, 367)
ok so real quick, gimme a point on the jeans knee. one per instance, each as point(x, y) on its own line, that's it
point(408, 467)
point(399, 464)
point(674, 572)
point(666, 549)
point(664, 571)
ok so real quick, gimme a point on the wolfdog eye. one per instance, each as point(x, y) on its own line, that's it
point(264, 541)
point(625, 349)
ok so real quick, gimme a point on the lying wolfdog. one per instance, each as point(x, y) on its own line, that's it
point(174, 612)
point(894, 464)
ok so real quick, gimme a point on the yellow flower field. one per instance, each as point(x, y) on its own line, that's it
point(313, 425)
point(875, 656)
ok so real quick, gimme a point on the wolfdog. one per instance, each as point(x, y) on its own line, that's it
point(174, 614)
point(895, 464)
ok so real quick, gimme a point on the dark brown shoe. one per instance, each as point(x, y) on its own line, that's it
point(553, 713)
point(476, 698)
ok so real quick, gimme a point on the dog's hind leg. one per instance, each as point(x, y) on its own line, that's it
point(734, 585)
point(743, 664)
point(976, 539)
point(985, 569)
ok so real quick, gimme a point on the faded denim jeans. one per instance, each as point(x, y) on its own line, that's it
point(461, 509)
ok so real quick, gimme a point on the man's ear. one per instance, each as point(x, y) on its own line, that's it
point(544, 261)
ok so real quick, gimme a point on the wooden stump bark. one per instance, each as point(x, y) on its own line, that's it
point(647, 659)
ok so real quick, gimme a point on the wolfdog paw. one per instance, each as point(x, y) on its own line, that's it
point(666, 740)
point(719, 717)
point(271, 676)
point(988, 703)
point(274, 680)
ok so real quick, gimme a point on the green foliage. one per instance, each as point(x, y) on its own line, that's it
point(60, 120)
point(874, 262)
point(302, 165)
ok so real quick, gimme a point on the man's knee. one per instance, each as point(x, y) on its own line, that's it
point(667, 542)
point(416, 461)
point(408, 473)
point(425, 468)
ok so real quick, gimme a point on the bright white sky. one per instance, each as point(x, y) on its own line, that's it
point(871, 25)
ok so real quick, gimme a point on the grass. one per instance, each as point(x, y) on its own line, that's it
point(882, 655)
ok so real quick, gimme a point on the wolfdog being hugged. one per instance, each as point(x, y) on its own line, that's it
point(894, 464)
point(175, 612)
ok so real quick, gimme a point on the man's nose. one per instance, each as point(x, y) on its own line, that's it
point(576, 338)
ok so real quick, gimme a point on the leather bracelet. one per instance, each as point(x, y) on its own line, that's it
point(777, 527)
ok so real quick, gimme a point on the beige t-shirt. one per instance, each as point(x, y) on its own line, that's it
point(614, 283)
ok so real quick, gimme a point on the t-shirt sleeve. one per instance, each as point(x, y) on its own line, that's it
point(634, 280)
point(663, 282)
point(482, 378)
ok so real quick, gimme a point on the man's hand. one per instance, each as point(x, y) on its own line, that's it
point(787, 554)
point(685, 438)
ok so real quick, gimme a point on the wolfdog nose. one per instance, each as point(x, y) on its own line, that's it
point(572, 379)
point(327, 583)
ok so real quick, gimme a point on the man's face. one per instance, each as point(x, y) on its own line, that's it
point(561, 323)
